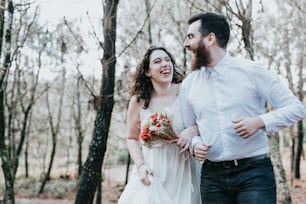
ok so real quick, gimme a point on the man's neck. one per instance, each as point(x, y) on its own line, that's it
point(216, 56)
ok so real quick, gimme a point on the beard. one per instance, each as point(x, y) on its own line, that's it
point(201, 57)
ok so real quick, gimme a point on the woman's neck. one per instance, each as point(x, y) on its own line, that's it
point(162, 90)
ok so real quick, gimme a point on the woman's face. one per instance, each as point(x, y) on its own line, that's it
point(160, 67)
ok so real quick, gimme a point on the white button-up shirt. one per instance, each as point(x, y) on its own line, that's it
point(213, 97)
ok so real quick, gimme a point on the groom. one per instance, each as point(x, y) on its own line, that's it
point(226, 97)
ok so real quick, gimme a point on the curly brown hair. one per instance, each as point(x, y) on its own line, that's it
point(141, 85)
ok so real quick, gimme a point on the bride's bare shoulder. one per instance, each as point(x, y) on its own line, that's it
point(135, 103)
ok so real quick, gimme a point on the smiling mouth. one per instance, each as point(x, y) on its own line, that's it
point(165, 72)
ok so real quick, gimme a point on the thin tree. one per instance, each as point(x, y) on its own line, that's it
point(300, 89)
point(77, 115)
point(54, 125)
point(91, 173)
point(9, 197)
point(26, 132)
point(26, 101)
point(148, 11)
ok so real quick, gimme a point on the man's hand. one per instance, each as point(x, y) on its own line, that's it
point(200, 151)
point(245, 127)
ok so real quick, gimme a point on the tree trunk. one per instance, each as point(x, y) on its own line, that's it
point(9, 197)
point(99, 191)
point(47, 176)
point(299, 150)
point(26, 151)
point(6, 165)
point(54, 130)
point(301, 66)
point(148, 11)
point(3, 69)
point(92, 168)
point(127, 169)
point(280, 176)
point(66, 176)
point(26, 158)
point(292, 158)
point(22, 138)
point(79, 158)
point(78, 126)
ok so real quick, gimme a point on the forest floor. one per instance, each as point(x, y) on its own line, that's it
point(114, 181)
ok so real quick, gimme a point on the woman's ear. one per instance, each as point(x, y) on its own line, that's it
point(148, 74)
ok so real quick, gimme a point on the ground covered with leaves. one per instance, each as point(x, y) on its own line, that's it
point(62, 191)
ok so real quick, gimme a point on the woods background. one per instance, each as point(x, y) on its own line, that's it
point(64, 85)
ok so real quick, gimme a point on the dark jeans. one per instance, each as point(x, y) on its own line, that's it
point(249, 183)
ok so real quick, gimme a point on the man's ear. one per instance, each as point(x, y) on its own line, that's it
point(211, 39)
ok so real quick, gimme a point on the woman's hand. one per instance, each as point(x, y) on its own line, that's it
point(186, 137)
point(183, 142)
point(143, 173)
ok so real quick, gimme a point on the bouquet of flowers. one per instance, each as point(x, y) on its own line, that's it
point(158, 125)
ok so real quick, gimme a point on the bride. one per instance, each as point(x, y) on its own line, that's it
point(163, 173)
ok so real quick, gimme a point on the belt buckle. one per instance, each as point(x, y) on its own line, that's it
point(229, 164)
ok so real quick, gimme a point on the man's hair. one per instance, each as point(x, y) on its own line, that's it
point(213, 23)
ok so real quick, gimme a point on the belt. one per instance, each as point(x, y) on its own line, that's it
point(236, 162)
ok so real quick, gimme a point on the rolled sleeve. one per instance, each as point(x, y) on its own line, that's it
point(287, 108)
point(194, 141)
point(283, 117)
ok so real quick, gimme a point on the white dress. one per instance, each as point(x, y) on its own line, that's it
point(176, 177)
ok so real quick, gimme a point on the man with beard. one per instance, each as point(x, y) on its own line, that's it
point(226, 96)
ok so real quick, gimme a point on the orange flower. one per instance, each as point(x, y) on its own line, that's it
point(158, 125)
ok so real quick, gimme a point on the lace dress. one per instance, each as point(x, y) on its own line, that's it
point(176, 177)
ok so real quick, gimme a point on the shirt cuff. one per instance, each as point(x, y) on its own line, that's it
point(267, 120)
point(195, 140)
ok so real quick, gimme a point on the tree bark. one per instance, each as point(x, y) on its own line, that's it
point(280, 176)
point(127, 169)
point(99, 191)
point(299, 150)
point(148, 11)
point(3, 69)
point(301, 66)
point(9, 197)
point(6, 164)
point(77, 114)
point(91, 172)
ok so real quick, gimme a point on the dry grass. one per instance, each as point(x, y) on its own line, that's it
point(62, 191)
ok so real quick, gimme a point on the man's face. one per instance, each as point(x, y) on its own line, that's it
point(193, 36)
point(195, 43)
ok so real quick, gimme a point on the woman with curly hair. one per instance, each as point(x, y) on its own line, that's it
point(163, 172)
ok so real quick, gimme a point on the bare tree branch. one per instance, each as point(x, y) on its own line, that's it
point(100, 43)
point(138, 32)
point(74, 36)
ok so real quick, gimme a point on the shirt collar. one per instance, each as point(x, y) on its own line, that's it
point(220, 67)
